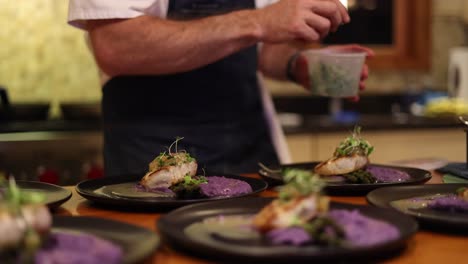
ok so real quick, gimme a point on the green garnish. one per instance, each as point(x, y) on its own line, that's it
point(300, 182)
point(171, 158)
point(360, 176)
point(189, 186)
point(325, 231)
point(354, 145)
point(16, 197)
point(331, 80)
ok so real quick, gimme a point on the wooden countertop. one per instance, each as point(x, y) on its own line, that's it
point(425, 247)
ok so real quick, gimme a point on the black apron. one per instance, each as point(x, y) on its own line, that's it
point(216, 108)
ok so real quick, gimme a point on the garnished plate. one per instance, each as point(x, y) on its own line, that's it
point(122, 191)
point(54, 195)
point(136, 242)
point(407, 199)
point(179, 228)
point(334, 187)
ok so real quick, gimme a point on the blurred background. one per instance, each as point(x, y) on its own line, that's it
point(50, 116)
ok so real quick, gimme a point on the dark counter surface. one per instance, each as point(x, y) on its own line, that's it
point(298, 114)
point(324, 123)
point(302, 124)
point(50, 125)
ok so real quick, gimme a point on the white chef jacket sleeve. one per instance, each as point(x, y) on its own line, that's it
point(79, 11)
point(263, 3)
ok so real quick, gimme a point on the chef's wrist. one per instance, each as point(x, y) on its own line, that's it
point(291, 66)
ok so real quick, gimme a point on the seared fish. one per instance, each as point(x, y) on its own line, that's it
point(282, 214)
point(169, 169)
point(342, 165)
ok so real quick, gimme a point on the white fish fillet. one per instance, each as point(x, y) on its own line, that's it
point(280, 214)
point(341, 165)
point(166, 176)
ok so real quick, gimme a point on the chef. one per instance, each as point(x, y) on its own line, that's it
point(192, 69)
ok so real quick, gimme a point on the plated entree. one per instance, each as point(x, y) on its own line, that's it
point(174, 174)
point(299, 217)
point(455, 203)
point(350, 163)
point(27, 235)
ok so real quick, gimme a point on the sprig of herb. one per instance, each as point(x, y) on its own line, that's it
point(15, 197)
point(300, 182)
point(171, 158)
point(354, 145)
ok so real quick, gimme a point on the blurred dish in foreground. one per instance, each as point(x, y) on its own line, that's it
point(298, 226)
point(440, 206)
point(31, 235)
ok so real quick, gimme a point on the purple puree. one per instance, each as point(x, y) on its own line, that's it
point(388, 174)
point(361, 230)
point(78, 248)
point(450, 203)
point(219, 186)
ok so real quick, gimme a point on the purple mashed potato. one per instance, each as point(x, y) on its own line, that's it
point(450, 203)
point(361, 230)
point(388, 174)
point(78, 248)
point(219, 186)
point(295, 236)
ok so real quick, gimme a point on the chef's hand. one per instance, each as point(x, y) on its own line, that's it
point(301, 72)
point(305, 20)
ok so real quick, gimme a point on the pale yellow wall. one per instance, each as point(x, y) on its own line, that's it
point(41, 57)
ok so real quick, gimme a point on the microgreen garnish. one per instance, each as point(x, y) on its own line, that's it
point(16, 197)
point(300, 183)
point(354, 145)
point(171, 158)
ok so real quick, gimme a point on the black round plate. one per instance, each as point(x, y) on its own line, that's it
point(136, 242)
point(172, 228)
point(54, 194)
point(442, 221)
point(88, 189)
point(418, 176)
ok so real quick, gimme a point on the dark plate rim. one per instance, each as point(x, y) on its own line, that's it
point(425, 176)
point(62, 193)
point(140, 250)
point(86, 189)
point(174, 235)
point(383, 196)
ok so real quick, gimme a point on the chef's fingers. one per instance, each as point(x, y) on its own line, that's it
point(319, 23)
point(364, 72)
point(327, 9)
point(302, 72)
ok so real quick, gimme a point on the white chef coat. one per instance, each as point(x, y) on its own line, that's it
point(82, 10)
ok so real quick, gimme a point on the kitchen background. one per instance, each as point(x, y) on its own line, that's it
point(43, 60)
